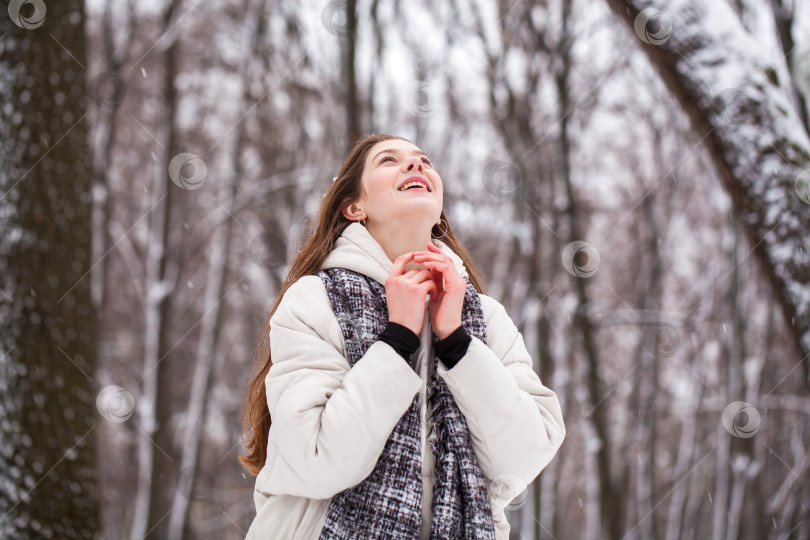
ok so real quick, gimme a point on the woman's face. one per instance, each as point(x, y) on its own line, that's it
point(390, 166)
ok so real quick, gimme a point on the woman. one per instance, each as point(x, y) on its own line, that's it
point(371, 436)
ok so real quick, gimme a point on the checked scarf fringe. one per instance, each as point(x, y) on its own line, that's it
point(388, 503)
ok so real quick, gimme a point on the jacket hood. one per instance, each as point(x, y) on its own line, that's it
point(356, 250)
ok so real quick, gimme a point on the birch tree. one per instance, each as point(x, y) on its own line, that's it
point(733, 94)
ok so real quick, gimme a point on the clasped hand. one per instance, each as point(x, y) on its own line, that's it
point(405, 292)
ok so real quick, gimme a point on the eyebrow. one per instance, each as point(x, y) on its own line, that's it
point(394, 151)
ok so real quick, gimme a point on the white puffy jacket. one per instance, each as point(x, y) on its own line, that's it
point(330, 422)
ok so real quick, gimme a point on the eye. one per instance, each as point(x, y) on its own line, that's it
point(427, 162)
point(386, 158)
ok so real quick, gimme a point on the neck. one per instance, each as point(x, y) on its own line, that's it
point(397, 239)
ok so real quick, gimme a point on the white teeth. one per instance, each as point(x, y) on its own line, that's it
point(409, 184)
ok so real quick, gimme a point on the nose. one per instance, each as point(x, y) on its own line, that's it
point(413, 162)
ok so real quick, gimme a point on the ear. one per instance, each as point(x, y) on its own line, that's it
point(354, 213)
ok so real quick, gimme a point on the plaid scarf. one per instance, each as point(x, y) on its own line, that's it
point(388, 503)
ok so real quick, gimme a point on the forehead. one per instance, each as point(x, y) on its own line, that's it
point(397, 145)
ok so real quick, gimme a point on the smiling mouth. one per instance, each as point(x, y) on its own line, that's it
point(417, 184)
point(415, 188)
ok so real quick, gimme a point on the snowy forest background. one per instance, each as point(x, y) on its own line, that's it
point(631, 176)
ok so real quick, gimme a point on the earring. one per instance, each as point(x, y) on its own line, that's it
point(446, 228)
point(363, 222)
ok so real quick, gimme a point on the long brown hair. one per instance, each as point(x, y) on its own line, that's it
point(330, 224)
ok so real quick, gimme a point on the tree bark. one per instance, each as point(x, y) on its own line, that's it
point(48, 476)
point(610, 498)
point(214, 295)
point(150, 510)
point(756, 140)
point(784, 17)
point(678, 513)
point(108, 91)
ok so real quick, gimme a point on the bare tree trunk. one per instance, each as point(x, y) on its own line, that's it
point(212, 308)
point(548, 509)
point(758, 521)
point(687, 447)
point(698, 507)
point(108, 91)
point(158, 289)
point(610, 499)
point(742, 449)
point(527, 182)
point(593, 497)
point(721, 472)
point(353, 129)
point(786, 510)
point(645, 378)
point(548, 506)
point(654, 344)
point(48, 325)
point(739, 468)
point(722, 483)
point(759, 172)
point(793, 480)
point(803, 528)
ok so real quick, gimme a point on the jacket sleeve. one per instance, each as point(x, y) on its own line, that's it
point(329, 422)
point(515, 422)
